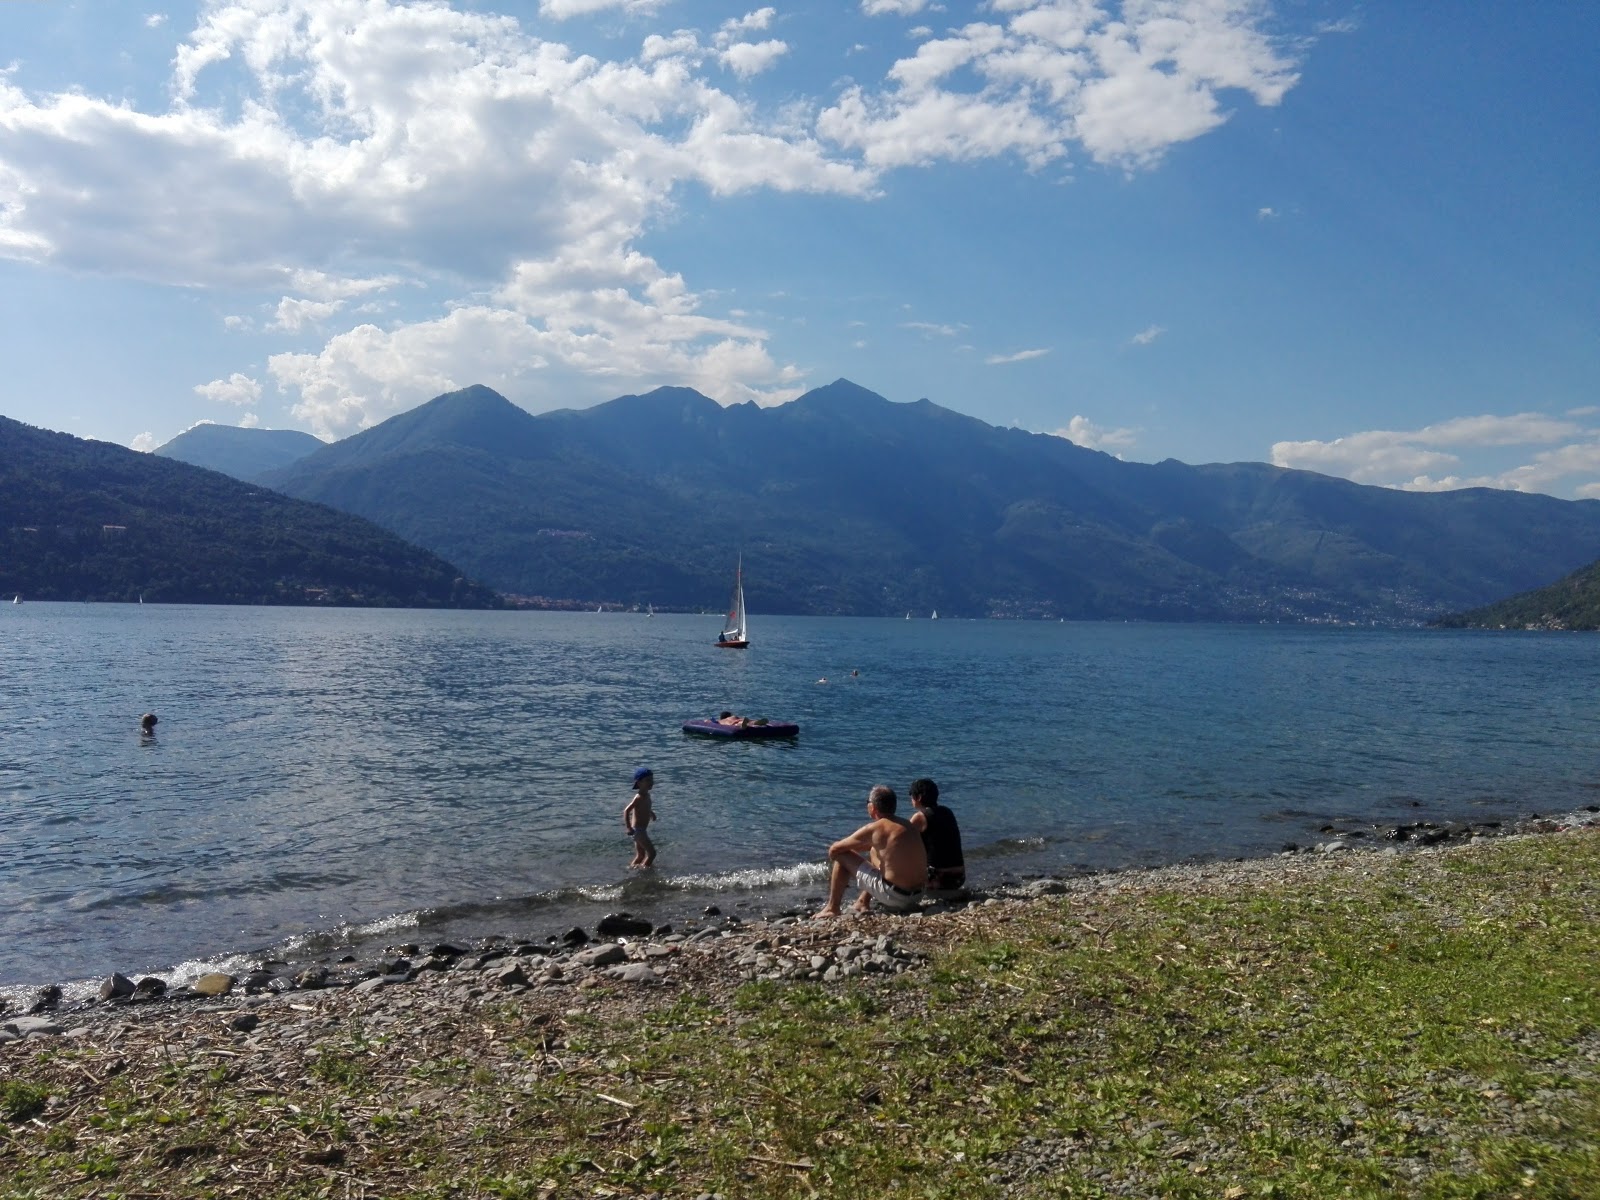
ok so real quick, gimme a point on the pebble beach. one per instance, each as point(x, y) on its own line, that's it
point(266, 1031)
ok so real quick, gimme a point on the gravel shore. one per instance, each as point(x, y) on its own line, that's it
point(269, 1031)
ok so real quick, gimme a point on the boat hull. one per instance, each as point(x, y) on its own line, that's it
point(733, 645)
point(705, 727)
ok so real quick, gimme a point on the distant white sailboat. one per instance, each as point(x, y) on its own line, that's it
point(908, 614)
point(735, 632)
point(17, 599)
point(649, 610)
point(935, 616)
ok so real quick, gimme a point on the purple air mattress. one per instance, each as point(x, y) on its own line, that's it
point(706, 727)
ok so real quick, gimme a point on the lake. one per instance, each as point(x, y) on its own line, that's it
point(324, 779)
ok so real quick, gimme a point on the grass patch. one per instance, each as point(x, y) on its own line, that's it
point(1414, 1026)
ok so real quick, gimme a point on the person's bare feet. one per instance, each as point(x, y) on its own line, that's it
point(863, 905)
point(826, 914)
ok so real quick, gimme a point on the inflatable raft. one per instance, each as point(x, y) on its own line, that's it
point(709, 727)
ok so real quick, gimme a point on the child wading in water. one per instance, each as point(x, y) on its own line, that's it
point(636, 818)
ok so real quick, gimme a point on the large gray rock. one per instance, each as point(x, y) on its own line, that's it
point(117, 987)
point(30, 1026)
point(214, 984)
point(634, 973)
point(601, 956)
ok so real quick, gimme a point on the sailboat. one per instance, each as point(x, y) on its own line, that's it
point(649, 610)
point(935, 616)
point(735, 635)
point(17, 599)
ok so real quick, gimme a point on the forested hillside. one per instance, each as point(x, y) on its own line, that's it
point(84, 520)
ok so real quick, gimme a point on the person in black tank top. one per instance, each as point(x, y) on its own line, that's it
point(941, 836)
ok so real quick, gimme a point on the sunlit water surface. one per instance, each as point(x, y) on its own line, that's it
point(330, 779)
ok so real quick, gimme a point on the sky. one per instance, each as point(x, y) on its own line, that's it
point(1359, 238)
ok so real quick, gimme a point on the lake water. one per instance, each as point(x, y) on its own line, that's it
point(323, 779)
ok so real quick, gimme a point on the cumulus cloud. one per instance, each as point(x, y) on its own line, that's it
point(1431, 459)
point(892, 8)
point(1147, 335)
point(236, 389)
point(995, 360)
point(154, 20)
point(1126, 83)
point(1266, 214)
point(561, 10)
point(1084, 432)
point(143, 443)
point(341, 157)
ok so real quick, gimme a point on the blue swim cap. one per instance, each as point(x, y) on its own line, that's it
point(641, 773)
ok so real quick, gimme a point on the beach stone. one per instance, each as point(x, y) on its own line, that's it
point(602, 956)
point(244, 1023)
point(574, 937)
point(446, 950)
point(258, 980)
point(511, 975)
point(117, 987)
point(623, 925)
point(45, 999)
point(376, 983)
point(213, 984)
point(634, 973)
point(24, 1027)
point(312, 978)
point(149, 988)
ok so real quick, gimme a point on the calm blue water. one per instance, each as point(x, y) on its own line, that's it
point(321, 778)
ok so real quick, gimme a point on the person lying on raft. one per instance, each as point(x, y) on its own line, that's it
point(885, 857)
point(727, 718)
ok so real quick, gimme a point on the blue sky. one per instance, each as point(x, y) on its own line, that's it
point(1355, 238)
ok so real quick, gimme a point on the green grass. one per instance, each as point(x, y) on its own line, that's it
point(1427, 1029)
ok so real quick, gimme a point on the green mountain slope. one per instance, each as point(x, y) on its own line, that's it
point(242, 453)
point(83, 520)
point(1570, 603)
point(844, 502)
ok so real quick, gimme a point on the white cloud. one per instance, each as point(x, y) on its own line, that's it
point(1266, 214)
point(995, 360)
point(1125, 83)
point(746, 59)
point(294, 315)
point(1084, 432)
point(320, 152)
point(1147, 335)
point(892, 8)
point(933, 329)
point(236, 389)
point(751, 22)
point(561, 10)
point(154, 20)
point(1417, 460)
point(1588, 491)
point(143, 443)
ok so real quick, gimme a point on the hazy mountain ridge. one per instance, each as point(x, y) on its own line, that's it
point(242, 453)
point(842, 501)
point(85, 520)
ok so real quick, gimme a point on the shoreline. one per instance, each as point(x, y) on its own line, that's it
point(1323, 1023)
point(622, 940)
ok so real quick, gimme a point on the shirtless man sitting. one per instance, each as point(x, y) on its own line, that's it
point(885, 857)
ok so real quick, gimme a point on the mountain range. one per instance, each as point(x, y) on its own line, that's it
point(86, 520)
point(222, 448)
point(843, 502)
